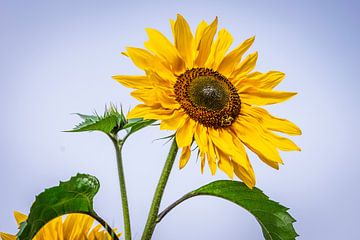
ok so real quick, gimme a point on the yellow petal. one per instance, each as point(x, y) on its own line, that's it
point(146, 61)
point(70, 231)
point(221, 140)
point(251, 135)
point(174, 121)
point(99, 233)
point(219, 48)
point(184, 135)
point(202, 157)
point(184, 40)
point(19, 217)
point(211, 155)
point(149, 112)
point(167, 100)
point(205, 43)
point(230, 145)
point(141, 58)
point(172, 25)
point(225, 163)
point(281, 125)
point(161, 46)
point(76, 226)
point(96, 233)
point(266, 81)
point(156, 96)
point(199, 32)
point(6, 236)
point(232, 59)
point(152, 80)
point(201, 137)
point(184, 157)
point(245, 66)
point(260, 97)
point(138, 82)
point(139, 111)
point(240, 156)
point(59, 228)
point(246, 175)
point(270, 122)
point(157, 81)
point(282, 143)
point(241, 163)
point(52, 230)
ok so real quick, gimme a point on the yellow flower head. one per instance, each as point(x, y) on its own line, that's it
point(197, 88)
point(76, 226)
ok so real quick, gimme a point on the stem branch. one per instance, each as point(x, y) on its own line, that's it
point(174, 204)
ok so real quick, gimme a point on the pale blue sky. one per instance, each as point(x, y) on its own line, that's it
point(57, 58)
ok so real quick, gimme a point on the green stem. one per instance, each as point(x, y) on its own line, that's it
point(170, 207)
point(125, 206)
point(154, 210)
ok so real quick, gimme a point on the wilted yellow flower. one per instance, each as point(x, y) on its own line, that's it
point(76, 226)
point(203, 92)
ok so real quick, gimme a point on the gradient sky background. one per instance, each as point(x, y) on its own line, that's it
point(57, 58)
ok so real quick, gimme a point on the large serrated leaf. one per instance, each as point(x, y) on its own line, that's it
point(275, 221)
point(73, 196)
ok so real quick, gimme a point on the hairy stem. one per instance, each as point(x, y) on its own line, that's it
point(154, 210)
point(125, 206)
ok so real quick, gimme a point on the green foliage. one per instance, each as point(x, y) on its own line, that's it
point(275, 221)
point(137, 124)
point(73, 196)
point(111, 122)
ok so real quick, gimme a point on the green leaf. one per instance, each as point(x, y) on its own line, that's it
point(111, 122)
point(137, 124)
point(93, 123)
point(73, 196)
point(276, 223)
point(88, 117)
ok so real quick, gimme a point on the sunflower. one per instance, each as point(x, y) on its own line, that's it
point(76, 226)
point(205, 93)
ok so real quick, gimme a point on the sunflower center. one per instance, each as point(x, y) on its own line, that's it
point(207, 97)
point(209, 93)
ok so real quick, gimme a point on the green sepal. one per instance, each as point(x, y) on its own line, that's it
point(275, 221)
point(73, 196)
